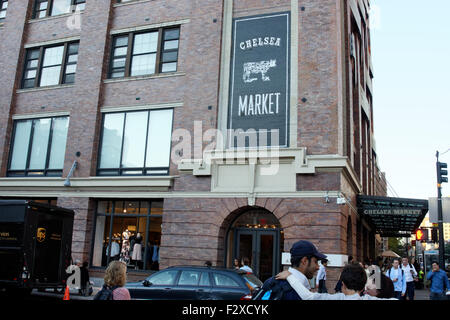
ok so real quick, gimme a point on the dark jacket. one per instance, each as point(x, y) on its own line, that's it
point(281, 290)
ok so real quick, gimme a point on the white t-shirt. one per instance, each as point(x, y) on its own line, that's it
point(246, 268)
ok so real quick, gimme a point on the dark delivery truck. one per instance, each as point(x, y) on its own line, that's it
point(35, 245)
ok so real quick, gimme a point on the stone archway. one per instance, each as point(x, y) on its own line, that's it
point(255, 233)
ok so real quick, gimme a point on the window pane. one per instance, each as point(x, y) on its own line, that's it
point(164, 278)
point(169, 67)
point(32, 64)
point(100, 243)
point(112, 140)
point(50, 76)
point(118, 74)
point(40, 144)
point(145, 43)
point(104, 207)
point(60, 7)
point(28, 83)
point(134, 140)
point(159, 138)
point(122, 51)
point(72, 58)
point(59, 138)
point(169, 45)
point(73, 48)
point(21, 143)
point(119, 63)
point(34, 54)
point(204, 281)
point(69, 78)
point(170, 56)
point(43, 5)
point(121, 41)
point(189, 278)
point(53, 56)
point(222, 280)
point(71, 68)
point(144, 64)
point(30, 74)
point(171, 34)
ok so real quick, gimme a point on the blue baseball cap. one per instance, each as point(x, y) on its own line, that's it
point(304, 248)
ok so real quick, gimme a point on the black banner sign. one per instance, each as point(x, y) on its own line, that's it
point(259, 81)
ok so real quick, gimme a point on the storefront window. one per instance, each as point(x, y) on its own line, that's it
point(130, 231)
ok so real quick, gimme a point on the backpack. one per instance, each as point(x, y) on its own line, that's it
point(276, 290)
point(106, 293)
point(389, 272)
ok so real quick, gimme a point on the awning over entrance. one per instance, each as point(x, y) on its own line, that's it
point(393, 217)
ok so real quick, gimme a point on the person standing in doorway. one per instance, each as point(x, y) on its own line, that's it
point(397, 275)
point(322, 277)
point(410, 273)
point(439, 282)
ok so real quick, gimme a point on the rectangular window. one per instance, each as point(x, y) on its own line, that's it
point(144, 53)
point(127, 230)
point(136, 143)
point(3, 8)
point(38, 147)
point(47, 8)
point(48, 66)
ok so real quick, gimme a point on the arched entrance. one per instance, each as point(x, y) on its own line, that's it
point(257, 235)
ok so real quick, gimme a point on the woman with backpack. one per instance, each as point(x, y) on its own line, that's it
point(115, 279)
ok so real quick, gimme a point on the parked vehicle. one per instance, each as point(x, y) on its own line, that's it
point(196, 283)
point(35, 245)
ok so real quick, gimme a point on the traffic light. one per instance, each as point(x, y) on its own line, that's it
point(434, 235)
point(421, 234)
point(441, 173)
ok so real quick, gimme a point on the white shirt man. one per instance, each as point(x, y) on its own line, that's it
point(409, 272)
point(300, 277)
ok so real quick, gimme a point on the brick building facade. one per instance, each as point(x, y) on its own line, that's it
point(147, 64)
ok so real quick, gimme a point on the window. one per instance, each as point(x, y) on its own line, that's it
point(189, 278)
point(165, 278)
point(49, 66)
point(144, 53)
point(120, 225)
point(38, 147)
point(46, 8)
point(136, 143)
point(222, 280)
point(3, 8)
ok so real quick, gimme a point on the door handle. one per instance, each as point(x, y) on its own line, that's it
point(167, 288)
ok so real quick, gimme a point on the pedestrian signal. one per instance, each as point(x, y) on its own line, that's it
point(421, 234)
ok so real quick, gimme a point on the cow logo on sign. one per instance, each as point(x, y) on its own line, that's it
point(258, 68)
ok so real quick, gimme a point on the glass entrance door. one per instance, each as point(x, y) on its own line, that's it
point(262, 247)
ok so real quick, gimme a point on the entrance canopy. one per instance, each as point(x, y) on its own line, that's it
point(393, 217)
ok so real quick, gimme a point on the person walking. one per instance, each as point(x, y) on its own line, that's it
point(397, 275)
point(353, 278)
point(410, 274)
point(304, 257)
point(322, 277)
point(439, 282)
point(115, 279)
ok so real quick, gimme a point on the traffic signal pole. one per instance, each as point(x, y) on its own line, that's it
point(440, 218)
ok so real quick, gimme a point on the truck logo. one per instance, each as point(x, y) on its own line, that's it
point(41, 234)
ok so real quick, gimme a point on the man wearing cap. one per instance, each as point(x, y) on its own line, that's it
point(304, 257)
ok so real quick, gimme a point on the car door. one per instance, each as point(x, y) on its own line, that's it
point(161, 286)
point(226, 287)
point(188, 285)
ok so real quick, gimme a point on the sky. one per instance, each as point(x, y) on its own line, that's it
point(411, 60)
